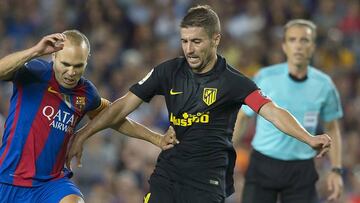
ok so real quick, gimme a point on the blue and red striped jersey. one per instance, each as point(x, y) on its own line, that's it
point(42, 117)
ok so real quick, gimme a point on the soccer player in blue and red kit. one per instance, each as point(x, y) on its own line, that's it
point(49, 99)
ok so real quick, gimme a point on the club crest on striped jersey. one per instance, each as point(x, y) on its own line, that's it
point(209, 95)
point(80, 103)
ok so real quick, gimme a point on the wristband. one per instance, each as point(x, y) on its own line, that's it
point(338, 170)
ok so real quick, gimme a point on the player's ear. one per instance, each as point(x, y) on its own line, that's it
point(284, 47)
point(217, 38)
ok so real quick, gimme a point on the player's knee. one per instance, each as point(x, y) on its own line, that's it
point(72, 199)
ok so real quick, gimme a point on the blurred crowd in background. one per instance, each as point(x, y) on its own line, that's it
point(129, 37)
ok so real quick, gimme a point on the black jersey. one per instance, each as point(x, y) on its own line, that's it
point(202, 109)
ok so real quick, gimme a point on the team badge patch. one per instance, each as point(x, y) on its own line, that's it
point(209, 95)
point(80, 103)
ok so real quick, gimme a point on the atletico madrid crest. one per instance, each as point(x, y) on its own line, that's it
point(209, 95)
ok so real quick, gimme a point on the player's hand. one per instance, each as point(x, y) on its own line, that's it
point(320, 143)
point(49, 44)
point(75, 149)
point(335, 185)
point(169, 140)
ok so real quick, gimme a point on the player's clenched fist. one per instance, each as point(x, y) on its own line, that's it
point(321, 143)
point(169, 139)
point(50, 44)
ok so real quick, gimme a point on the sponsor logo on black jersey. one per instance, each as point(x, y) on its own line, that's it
point(214, 182)
point(172, 92)
point(209, 95)
point(189, 119)
point(147, 197)
point(146, 77)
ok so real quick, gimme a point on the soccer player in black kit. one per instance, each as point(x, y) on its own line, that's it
point(203, 95)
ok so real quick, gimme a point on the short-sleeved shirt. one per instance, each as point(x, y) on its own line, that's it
point(202, 109)
point(311, 100)
point(41, 120)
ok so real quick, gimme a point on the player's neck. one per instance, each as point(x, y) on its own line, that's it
point(209, 66)
point(298, 71)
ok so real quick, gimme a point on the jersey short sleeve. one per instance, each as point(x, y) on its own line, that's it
point(103, 104)
point(248, 110)
point(256, 100)
point(33, 70)
point(332, 109)
point(92, 95)
point(242, 86)
point(150, 85)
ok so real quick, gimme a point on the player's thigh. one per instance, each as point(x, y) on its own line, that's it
point(62, 190)
point(161, 191)
point(255, 193)
point(14, 194)
point(194, 195)
point(308, 195)
point(158, 197)
point(72, 199)
point(302, 186)
point(260, 180)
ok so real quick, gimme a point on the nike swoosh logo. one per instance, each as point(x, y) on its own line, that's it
point(50, 89)
point(172, 92)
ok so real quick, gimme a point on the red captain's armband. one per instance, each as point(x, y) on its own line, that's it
point(255, 100)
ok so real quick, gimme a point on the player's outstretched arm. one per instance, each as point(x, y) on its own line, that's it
point(132, 129)
point(12, 62)
point(110, 117)
point(288, 124)
point(136, 130)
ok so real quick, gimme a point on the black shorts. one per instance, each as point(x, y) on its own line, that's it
point(267, 179)
point(162, 190)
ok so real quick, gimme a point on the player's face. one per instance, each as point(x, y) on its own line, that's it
point(69, 64)
point(199, 49)
point(299, 45)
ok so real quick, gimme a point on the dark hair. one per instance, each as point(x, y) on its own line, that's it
point(77, 38)
point(202, 16)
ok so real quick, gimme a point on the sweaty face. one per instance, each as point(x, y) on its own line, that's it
point(69, 64)
point(199, 49)
point(299, 45)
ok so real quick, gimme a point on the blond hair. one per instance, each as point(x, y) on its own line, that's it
point(77, 38)
point(301, 22)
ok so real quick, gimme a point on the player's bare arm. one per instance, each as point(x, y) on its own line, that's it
point(133, 129)
point(12, 62)
point(110, 117)
point(288, 124)
point(136, 130)
point(334, 180)
point(120, 124)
